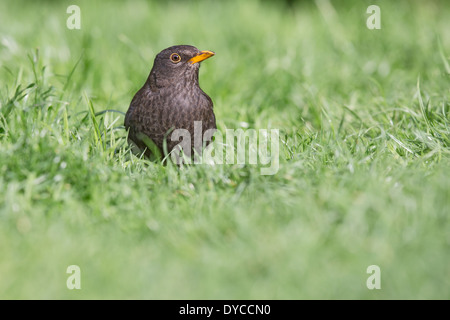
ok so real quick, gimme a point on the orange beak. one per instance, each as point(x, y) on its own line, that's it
point(201, 56)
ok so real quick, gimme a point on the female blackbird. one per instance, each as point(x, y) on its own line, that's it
point(171, 99)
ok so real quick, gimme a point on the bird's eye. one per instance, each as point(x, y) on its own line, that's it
point(175, 57)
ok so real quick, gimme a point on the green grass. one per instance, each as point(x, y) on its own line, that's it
point(364, 119)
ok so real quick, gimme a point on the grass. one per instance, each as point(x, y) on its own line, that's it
point(364, 159)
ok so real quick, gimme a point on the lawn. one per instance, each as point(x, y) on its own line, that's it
point(364, 162)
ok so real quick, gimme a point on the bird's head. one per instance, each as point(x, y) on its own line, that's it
point(176, 65)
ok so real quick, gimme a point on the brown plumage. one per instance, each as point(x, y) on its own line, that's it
point(170, 99)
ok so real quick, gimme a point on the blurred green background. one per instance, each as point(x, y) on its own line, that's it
point(364, 166)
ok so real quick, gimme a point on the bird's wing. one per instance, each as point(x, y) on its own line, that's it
point(143, 116)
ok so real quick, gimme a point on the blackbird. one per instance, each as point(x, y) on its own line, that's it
point(170, 99)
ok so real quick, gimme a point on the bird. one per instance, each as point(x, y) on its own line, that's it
point(171, 99)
